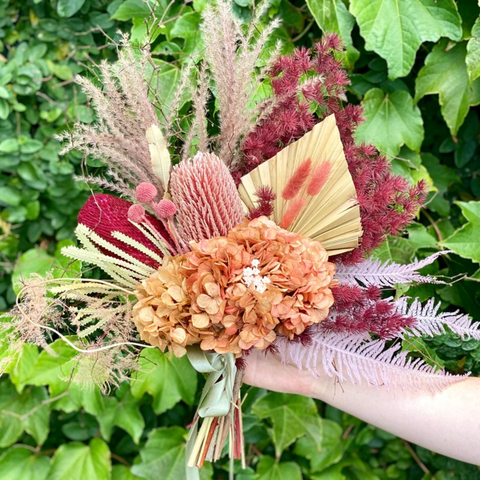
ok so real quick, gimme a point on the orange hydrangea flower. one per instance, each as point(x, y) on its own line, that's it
point(237, 292)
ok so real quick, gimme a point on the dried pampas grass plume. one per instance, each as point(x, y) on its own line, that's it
point(206, 197)
point(233, 59)
point(124, 114)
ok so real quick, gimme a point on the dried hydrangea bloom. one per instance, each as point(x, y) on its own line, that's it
point(163, 308)
point(237, 292)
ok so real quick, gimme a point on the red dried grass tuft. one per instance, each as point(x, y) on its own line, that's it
point(297, 180)
point(292, 212)
point(319, 177)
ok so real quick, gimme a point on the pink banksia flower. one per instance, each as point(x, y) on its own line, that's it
point(206, 197)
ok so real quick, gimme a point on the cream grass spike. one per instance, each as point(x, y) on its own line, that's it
point(332, 216)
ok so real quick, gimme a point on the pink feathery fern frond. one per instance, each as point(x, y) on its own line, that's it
point(358, 358)
point(431, 322)
point(386, 274)
point(206, 197)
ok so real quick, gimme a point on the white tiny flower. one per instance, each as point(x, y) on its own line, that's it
point(252, 276)
point(247, 272)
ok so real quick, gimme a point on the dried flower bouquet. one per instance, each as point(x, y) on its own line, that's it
point(257, 238)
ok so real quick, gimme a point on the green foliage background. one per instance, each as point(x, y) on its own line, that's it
point(415, 67)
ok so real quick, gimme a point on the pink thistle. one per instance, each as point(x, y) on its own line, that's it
point(145, 192)
point(319, 177)
point(105, 214)
point(292, 212)
point(297, 180)
point(206, 197)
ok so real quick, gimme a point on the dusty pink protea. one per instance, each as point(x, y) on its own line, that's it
point(206, 197)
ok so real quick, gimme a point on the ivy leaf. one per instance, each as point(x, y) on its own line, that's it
point(121, 472)
point(167, 380)
point(130, 9)
point(32, 261)
point(22, 464)
point(392, 120)
point(445, 73)
point(331, 452)
point(68, 8)
point(466, 240)
point(164, 456)
point(124, 414)
point(23, 412)
point(473, 52)
point(165, 80)
point(54, 367)
point(77, 461)
point(269, 469)
point(396, 28)
point(333, 16)
point(21, 366)
point(395, 249)
point(292, 416)
point(443, 178)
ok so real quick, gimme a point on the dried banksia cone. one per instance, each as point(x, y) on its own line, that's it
point(206, 197)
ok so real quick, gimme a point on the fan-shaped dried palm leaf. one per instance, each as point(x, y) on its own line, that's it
point(315, 192)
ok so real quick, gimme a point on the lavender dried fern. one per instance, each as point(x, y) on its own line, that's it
point(387, 274)
point(431, 322)
point(358, 358)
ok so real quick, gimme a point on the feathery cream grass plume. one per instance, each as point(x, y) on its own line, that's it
point(124, 115)
point(233, 59)
point(77, 310)
point(206, 197)
point(316, 196)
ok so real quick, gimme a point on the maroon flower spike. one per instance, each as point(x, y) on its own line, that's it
point(105, 214)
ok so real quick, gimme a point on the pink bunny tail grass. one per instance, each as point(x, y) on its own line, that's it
point(297, 180)
point(292, 212)
point(319, 177)
point(206, 197)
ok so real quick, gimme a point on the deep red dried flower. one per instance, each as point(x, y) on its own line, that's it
point(358, 310)
point(105, 214)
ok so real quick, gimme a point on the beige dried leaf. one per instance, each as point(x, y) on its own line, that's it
point(331, 216)
point(160, 156)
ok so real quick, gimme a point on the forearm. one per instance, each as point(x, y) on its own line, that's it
point(447, 422)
